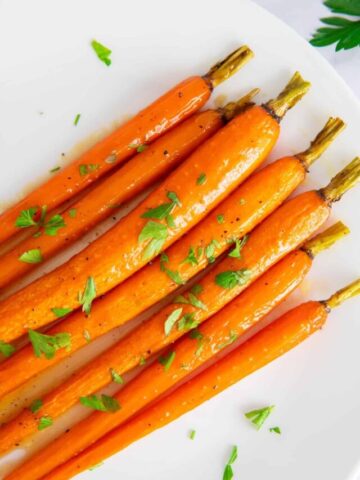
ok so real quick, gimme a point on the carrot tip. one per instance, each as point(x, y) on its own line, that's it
point(289, 97)
point(231, 109)
point(343, 294)
point(322, 141)
point(325, 239)
point(343, 181)
point(224, 69)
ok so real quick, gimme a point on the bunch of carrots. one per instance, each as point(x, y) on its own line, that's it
point(207, 213)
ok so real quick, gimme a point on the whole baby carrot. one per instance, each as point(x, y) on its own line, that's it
point(168, 110)
point(273, 341)
point(239, 213)
point(154, 335)
point(215, 169)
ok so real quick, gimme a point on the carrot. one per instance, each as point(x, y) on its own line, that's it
point(136, 175)
point(150, 338)
point(227, 158)
point(273, 341)
point(185, 357)
point(239, 213)
point(168, 110)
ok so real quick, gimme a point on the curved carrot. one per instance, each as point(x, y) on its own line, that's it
point(140, 172)
point(227, 158)
point(187, 355)
point(239, 213)
point(150, 338)
point(273, 341)
point(168, 110)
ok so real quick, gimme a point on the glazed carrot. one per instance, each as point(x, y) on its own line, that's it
point(168, 110)
point(140, 172)
point(183, 198)
point(187, 355)
point(261, 194)
point(273, 341)
point(150, 337)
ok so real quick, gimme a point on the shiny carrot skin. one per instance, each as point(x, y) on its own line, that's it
point(283, 231)
point(273, 341)
point(258, 300)
point(256, 198)
point(137, 174)
point(227, 158)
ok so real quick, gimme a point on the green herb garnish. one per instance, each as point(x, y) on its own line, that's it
point(258, 417)
point(55, 169)
point(201, 179)
point(197, 289)
point(142, 361)
point(187, 322)
point(85, 169)
point(87, 297)
point(72, 212)
point(36, 405)
point(220, 219)
point(232, 278)
point(157, 234)
point(102, 403)
point(232, 337)
point(210, 250)
point(102, 52)
point(31, 256)
point(26, 218)
point(275, 430)
point(116, 377)
point(199, 337)
point(171, 320)
point(87, 336)
point(52, 226)
point(228, 471)
point(192, 434)
point(191, 257)
point(45, 422)
point(61, 312)
point(191, 300)
point(6, 349)
point(139, 148)
point(173, 274)
point(167, 360)
point(236, 252)
point(340, 30)
point(77, 118)
point(48, 344)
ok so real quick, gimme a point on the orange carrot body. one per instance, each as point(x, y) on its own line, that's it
point(227, 158)
point(168, 110)
point(256, 198)
point(136, 175)
point(280, 233)
point(272, 342)
point(245, 311)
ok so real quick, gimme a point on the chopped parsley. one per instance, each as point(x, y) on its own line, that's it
point(142, 361)
point(102, 403)
point(201, 179)
point(258, 417)
point(55, 169)
point(163, 210)
point(197, 335)
point(232, 278)
point(85, 169)
point(220, 219)
point(36, 406)
point(45, 422)
point(210, 250)
point(236, 252)
point(102, 52)
point(48, 344)
point(139, 148)
point(173, 274)
point(192, 434)
point(171, 320)
point(31, 256)
point(197, 289)
point(275, 430)
point(52, 226)
point(187, 322)
point(157, 234)
point(26, 218)
point(6, 349)
point(191, 257)
point(116, 377)
point(87, 297)
point(77, 118)
point(167, 360)
point(61, 312)
point(191, 300)
point(72, 212)
point(111, 158)
point(232, 337)
point(228, 471)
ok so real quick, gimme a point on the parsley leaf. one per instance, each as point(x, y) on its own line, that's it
point(258, 417)
point(6, 349)
point(236, 252)
point(142, 361)
point(171, 320)
point(174, 198)
point(201, 179)
point(72, 212)
point(88, 296)
point(45, 422)
point(36, 405)
point(157, 234)
point(232, 278)
point(196, 289)
point(52, 226)
point(117, 378)
point(210, 250)
point(167, 360)
point(220, 219)
point(275, 430)
point(349, 7)
point(48, 344)
point(160, 212)
point(228, 471)
point(102, 403)
point(191, 257)
point(32, 256)
point(187, 322)
point(61, 312)
point(55, 169)
point(232, 337)
point(102, 52)
point(191, 300)
point(26, 218)
point(192, 434)
point(139, 148)
point(85, 169)
point(197, 335)
point(77, 118)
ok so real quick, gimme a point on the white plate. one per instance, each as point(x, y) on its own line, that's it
point(47, 66)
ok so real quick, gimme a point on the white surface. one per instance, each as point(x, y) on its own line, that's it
point(48, 66)
point(304, 17)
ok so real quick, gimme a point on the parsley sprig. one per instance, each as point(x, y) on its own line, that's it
point(48, 344)
point(340, 30)
point(35, 217)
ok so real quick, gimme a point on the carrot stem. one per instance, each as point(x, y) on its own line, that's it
point(325, 239)
point(231, 109)
point(342, 182)
point(224, 69)
point(289, 97)
point(343, 294)
point(322, 141)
